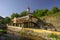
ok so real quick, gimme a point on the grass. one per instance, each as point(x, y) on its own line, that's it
point(21, 33)
point(54, 36)
point(2, 31)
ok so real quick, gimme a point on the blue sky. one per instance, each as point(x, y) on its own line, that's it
point(7, 7)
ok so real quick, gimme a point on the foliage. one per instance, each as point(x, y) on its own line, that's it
point(54, 36)
point(15, 15)
point(2, 31)
point(39, 13)
point(24, 13)
point(55, 9)
point(7, 20)
point(21, 33)
point(49, 13)
point(1, 20)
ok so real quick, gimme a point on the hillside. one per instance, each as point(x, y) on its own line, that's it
point(53, 19)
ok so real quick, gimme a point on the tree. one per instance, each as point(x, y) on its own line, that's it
point(7, 20)
point(49, 13)
point(15, 15)
point(45, 11)
point(1, 20)
point(38, 13)
point(55, 9)
point(24, 13)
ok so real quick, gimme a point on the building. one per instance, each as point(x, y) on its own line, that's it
point(28, 21)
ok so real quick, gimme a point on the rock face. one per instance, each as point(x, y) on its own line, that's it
point(45, 25)
point(53, 21)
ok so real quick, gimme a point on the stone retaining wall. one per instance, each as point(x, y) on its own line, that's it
point(33, 32)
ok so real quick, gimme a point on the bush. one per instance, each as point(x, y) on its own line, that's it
point(2, 31)
point(21, 33)
point(54, 36)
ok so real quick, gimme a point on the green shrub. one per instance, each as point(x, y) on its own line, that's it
point(2, 31)
point(21, 33)
point(54, 36)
